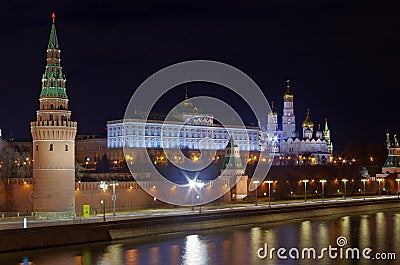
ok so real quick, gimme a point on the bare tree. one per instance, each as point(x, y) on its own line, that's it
point(13, 165)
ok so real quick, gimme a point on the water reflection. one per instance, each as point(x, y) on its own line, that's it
point(195, 252)
point(380, 235)
point(365, 233)
point(378, 231)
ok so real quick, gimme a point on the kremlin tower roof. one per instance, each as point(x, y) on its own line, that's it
point(53, 42)
point(53, 80)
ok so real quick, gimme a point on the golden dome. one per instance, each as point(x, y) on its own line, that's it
point(307, 122)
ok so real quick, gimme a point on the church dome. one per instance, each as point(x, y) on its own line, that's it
point(307, 123)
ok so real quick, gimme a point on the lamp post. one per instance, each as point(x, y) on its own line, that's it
point(363, 181)
point(398, 188)
point(305, 189)
point(114, 196)
point(199, 185)
point(379, 186)
point(104, 187)
point(193, 184)
point(255, 182)
point(269, 192)
point(323, 181)
point(104, 210)
point(344, 182)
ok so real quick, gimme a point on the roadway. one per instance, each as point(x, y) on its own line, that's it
point(15, 223)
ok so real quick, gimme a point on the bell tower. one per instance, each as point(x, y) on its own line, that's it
point(53, 135)
point(288, 118)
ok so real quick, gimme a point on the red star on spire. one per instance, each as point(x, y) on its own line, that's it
point(53, 16)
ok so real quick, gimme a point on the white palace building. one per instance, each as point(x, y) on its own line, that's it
point(189, 130)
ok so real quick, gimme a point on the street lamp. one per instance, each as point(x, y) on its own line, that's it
point(305, 189)
point(269, 191)
point(379, 186)
point(323, 181)
point(363, 181)
point(104, 210)
point(255, 182)
point(193, 184)
point(114, 196)
point(398, 188)
point(344, 182)
point(199, 185)
point(104, 187)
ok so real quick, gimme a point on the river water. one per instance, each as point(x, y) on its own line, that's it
point(376, 234)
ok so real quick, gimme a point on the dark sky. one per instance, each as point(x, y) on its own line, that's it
point(342, 56)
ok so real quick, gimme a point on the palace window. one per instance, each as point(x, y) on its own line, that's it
point(66, 147)
point(51, 147)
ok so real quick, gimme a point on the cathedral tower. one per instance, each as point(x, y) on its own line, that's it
point(288, 118)
point(53, 136)
point(272, 122)
point(327, 136)
point(308, 126)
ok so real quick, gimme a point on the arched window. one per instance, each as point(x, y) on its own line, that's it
point(51, 147)
point(66, 147)
point(37, 147)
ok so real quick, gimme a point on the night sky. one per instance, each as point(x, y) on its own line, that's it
point(342, 57)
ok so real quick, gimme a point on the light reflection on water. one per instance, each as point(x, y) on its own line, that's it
point(378, 231)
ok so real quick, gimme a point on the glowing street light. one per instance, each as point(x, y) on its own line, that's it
point(255, 182)
point(199, 185)
point(363, 181)
point(104, 186)
point(269, 191)
point(305, 181)
point(344, 182)
point(104, 210)
point(114, 196)
point(323, 181)
point(398, 188)
point(379, 186)
point(193, 184)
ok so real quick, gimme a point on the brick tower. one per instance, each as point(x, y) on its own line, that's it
point(232, 169)
point(53, 136)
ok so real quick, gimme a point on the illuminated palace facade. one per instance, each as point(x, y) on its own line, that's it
point(189, 130)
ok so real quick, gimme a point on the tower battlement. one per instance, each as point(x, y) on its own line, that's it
point(56, 123)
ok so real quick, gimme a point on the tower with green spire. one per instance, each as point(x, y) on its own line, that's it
point(233, 170)
point(53, 135)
